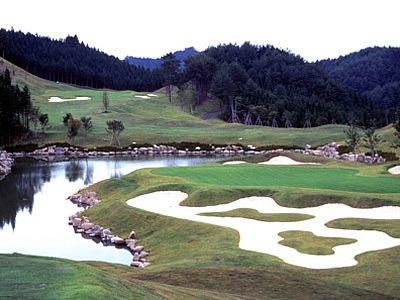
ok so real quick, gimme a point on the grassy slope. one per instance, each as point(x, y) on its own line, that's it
point(307, 242)
point(185, 253)
point(155, 120)
point(51, 278)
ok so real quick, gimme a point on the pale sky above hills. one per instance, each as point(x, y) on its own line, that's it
point(314, 29)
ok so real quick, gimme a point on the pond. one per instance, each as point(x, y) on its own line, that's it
point(34, 211)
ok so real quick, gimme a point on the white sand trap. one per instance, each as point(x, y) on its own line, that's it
point(143, 97)
point(235, 162)
point(284, 161)
point(58, 99)
point(263, 236)
point(395, 170)
point(151, 95)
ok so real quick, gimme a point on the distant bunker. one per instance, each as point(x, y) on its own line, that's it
point(58, 99)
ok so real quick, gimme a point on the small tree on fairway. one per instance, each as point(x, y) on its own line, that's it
point(353, 138)
point(371, 139)
point(44, 121)
point(34, 114)
point(87, 125)
point(106, 102)
point(115, 128)
point(73, 126)
point(396, 125)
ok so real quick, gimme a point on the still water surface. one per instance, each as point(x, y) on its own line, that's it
point(34, 212)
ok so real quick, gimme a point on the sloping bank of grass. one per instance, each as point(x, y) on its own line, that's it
point(51, 278)
point(202, 256)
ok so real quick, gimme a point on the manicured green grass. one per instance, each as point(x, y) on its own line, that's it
point(308, 243)
point(255, 215)
point(51, 278)
point(391, 227)
point(298, 177)
point(202, 256)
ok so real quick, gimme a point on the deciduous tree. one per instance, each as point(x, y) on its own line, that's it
point(87, 125)
point(115, 128)
point(353, 140)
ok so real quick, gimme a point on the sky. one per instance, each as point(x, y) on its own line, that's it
point(313, 29)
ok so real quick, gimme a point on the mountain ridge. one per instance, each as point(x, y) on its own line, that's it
point(153, 63)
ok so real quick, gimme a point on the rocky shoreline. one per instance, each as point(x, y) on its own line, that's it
point(6, 162)
point(53, 153)
point(73, 152)
point(83, 225)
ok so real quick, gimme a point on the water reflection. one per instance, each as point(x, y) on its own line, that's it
point(34, 212)
point(18, 188)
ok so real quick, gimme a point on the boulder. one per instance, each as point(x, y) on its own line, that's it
point(118, 241)
point(136, 256)
point(146, 264)
point(132, 235)
point(77, 222)
point(130, 242)
point(138, 249)
point(137, 264)
point(90, 194)
point(87, 226)
point(143, 254)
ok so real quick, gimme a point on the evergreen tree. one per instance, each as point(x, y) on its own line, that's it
point(169, 69)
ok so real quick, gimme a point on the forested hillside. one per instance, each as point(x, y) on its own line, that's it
point(374, 72)
point(16, 112)
point(153, 63)
point(266, 85)
point(73, 62)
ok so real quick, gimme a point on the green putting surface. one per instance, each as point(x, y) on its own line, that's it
point(299, 177)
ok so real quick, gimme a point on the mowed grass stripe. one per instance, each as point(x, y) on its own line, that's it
point(298, 177)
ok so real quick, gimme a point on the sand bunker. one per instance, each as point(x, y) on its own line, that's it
point(263, 236)
point(142, 97)
point(58, 99)
point(235, 162)
point(395, 170)
point(285, 161)
point(151, 95)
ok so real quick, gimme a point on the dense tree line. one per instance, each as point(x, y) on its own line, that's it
point(16, 112)
point(374, 72)
point(71, 61)
point(269, 86)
